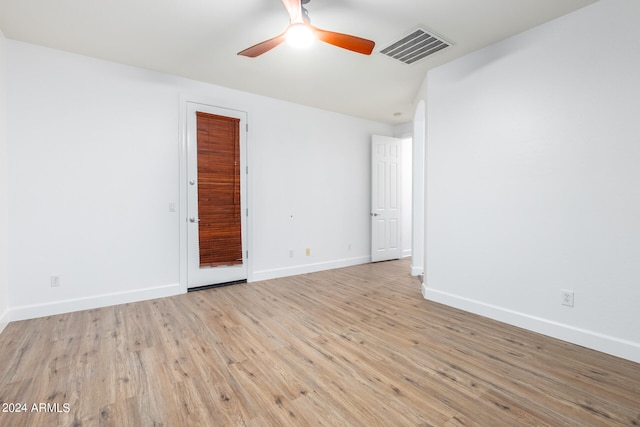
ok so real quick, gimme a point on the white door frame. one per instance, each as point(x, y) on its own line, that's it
point(183, 186)
point(418, 203)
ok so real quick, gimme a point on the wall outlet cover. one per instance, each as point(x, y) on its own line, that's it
point(567, 298)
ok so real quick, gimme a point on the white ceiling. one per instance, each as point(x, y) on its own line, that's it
point(199, 39)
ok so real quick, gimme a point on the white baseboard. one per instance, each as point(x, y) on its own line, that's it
point(307, 268)
point(607, 344)
point(77, 304)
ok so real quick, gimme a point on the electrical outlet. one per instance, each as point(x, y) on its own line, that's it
point(567, 298)
point(55, 281)
point(290, 253)
point(308, 251)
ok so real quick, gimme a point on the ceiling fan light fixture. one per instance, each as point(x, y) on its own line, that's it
point(300, 35)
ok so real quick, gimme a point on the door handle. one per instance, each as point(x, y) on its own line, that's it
point(192, 219)
point(374, 214)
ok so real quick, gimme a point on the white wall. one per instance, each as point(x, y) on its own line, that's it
point(532, 179)
point(4, 188)
point(93, 166)
point(311, 171)
point(94, 153)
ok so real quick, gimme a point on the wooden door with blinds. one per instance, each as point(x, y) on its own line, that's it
point(216, 173)
point(219, 207)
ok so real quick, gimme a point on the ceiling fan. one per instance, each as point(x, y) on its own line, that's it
point(300, 24)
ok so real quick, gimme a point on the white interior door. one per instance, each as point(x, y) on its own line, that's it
point(386, 206)
point(198, 276)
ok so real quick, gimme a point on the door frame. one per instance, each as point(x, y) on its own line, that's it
point(418, 202)
point(183, 214)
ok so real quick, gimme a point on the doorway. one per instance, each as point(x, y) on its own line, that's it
point(216, 205)
point(391, 197)
point(386, 198)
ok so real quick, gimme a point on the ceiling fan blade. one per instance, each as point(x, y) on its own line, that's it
point(294, 7)
point(265, 46)
point(345, 41)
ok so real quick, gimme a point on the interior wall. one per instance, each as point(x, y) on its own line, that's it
point(4, 188)
point(311, 171)
point(532, 179)
point(94, 150)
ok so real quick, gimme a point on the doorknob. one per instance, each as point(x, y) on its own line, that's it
point(374, 214)
point(192, 219)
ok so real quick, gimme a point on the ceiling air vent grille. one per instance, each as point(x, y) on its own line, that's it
point(414, 47)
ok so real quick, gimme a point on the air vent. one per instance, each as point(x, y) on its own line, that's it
point(414, 47)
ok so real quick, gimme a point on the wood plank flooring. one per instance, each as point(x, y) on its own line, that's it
point(357, 346)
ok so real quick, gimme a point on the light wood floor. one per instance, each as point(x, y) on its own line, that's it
point(352, 347)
